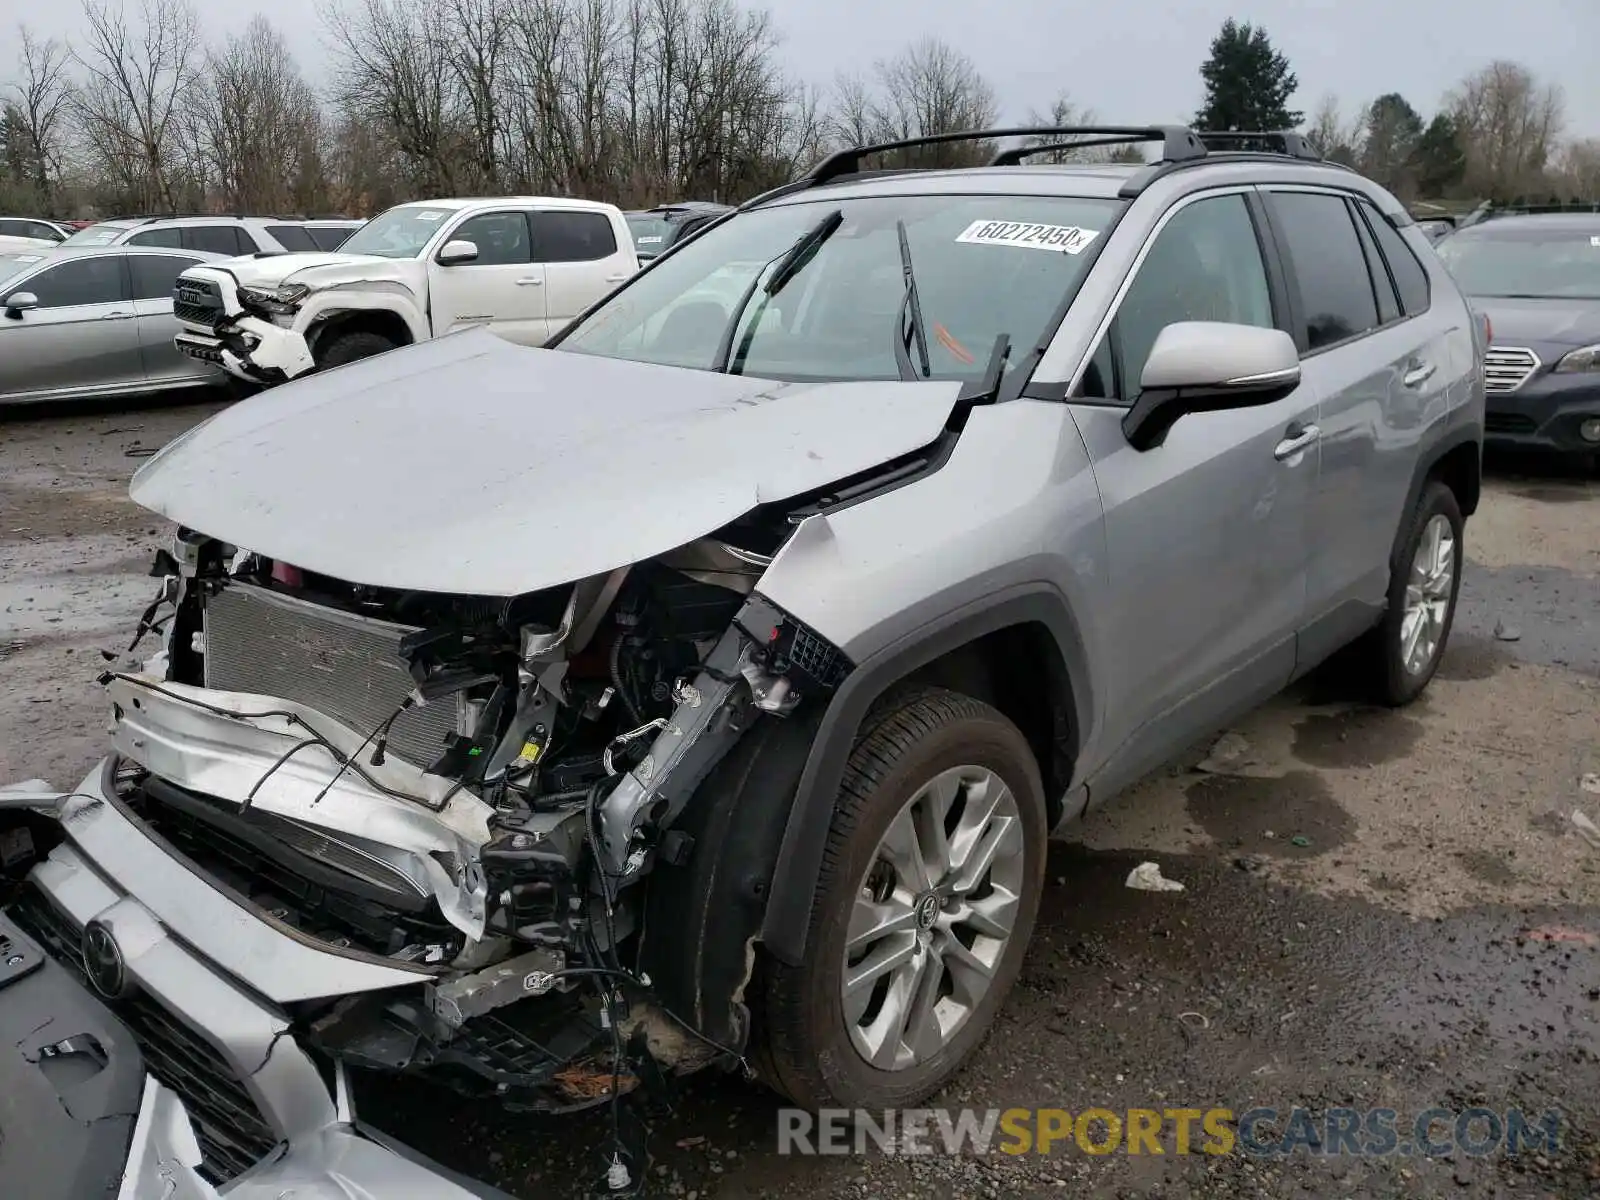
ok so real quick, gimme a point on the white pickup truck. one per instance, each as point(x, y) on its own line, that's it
point(522, 266)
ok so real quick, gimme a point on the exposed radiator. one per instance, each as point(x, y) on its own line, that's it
point(345, 666)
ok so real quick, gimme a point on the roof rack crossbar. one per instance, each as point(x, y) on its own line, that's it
point(1292, 143)
point(1177, 143)
point(1016, 154)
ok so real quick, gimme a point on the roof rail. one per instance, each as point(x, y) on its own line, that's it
point(1177, 144)
point(1489, 210)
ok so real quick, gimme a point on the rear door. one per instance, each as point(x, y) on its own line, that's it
point(81, 339)
point(503, 288)
point(1375, 364)
point(583, 261)
point(1206, 534)
point(154, 278)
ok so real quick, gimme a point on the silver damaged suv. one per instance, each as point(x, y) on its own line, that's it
point(701, 689)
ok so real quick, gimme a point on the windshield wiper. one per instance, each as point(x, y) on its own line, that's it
point(911, 304)
point(784, 268)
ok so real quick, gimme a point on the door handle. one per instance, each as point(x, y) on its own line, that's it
point(1296, 438)
point(114, 315)
point(1418, 374)
point(530, 283)
point(615, 278)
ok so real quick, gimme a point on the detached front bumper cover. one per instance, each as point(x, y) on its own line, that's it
point(313, 1146)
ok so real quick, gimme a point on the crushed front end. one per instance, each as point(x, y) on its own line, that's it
point(347, 827)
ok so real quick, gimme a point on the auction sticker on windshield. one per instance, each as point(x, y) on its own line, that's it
point(1062, 238)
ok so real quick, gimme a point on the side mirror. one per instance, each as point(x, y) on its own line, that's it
point(456, 252)
point(1209, 366)
point(20, 302)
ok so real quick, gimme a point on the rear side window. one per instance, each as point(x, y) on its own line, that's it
point(572, 237)
point(1410, 277)
point(1336, 297)
point(217, 239)
point(156, 275)
point(172, 239)
point(1388, 300)
point(292, 237)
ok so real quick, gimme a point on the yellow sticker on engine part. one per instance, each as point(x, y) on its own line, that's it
point(530, 752)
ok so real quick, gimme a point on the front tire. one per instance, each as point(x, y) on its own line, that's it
point(930, 884)
point(1403, 652)
point(350, 347)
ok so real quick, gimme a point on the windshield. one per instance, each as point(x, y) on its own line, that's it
point(1512, 263)
point(12, 265)
point(984, 265)
point(402, 232)
point(651, 234)
point(103, 234)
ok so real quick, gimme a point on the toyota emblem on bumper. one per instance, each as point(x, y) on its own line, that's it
point(103, 962)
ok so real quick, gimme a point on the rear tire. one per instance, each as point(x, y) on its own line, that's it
point(350, 347)
point(1398, 658)
point(890, 1044)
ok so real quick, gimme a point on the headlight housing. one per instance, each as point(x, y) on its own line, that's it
point(283, 300)
point(1586, 358)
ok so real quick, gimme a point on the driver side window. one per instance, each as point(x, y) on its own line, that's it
point(502, 238)
point(1204, 265)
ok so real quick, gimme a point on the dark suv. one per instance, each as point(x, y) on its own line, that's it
point(1536, 276)
point(655, 230)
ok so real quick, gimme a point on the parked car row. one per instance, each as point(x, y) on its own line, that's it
point(699, 688)
point(1535, 273)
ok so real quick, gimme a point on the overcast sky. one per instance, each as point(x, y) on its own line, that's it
point(1137, 61)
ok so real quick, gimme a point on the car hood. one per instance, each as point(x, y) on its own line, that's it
point(316, 269)
point(468, 464)
point(1554, 322)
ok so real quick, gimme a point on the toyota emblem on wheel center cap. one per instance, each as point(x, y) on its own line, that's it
point(928, 910)
point(103, 962)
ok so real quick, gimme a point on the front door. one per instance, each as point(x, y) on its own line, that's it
point(503, 288)
point(82, 337)
point(1206, 534)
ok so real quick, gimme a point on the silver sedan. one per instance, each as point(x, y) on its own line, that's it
point(93, 322)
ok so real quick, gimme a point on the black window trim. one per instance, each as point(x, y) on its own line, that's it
point(1366, 210)
point(1378, 272)
point(1302, 337)
point(1278, 294)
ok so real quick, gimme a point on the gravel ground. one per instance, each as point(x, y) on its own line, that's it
point(1381, 909)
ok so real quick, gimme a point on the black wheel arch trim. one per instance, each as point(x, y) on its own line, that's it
point(787, 919)
point(1427, 462)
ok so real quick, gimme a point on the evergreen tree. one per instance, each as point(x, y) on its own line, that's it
point(1439, 161)
point(1248, 83)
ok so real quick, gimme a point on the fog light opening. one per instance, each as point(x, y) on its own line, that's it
point(1589, 431)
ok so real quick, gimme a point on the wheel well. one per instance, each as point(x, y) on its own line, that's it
point(1461, 470)
point(380, 321)
point(1020, 671)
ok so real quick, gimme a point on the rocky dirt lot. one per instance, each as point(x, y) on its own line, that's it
point(1380, 909)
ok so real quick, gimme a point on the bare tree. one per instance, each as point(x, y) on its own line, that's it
point(1509, 125)
point(1336, 139)
point(255, 121)
point(40, 101)
point(135, 86)
point(931, 87)
point(1064, 112)
point(1577, 172)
